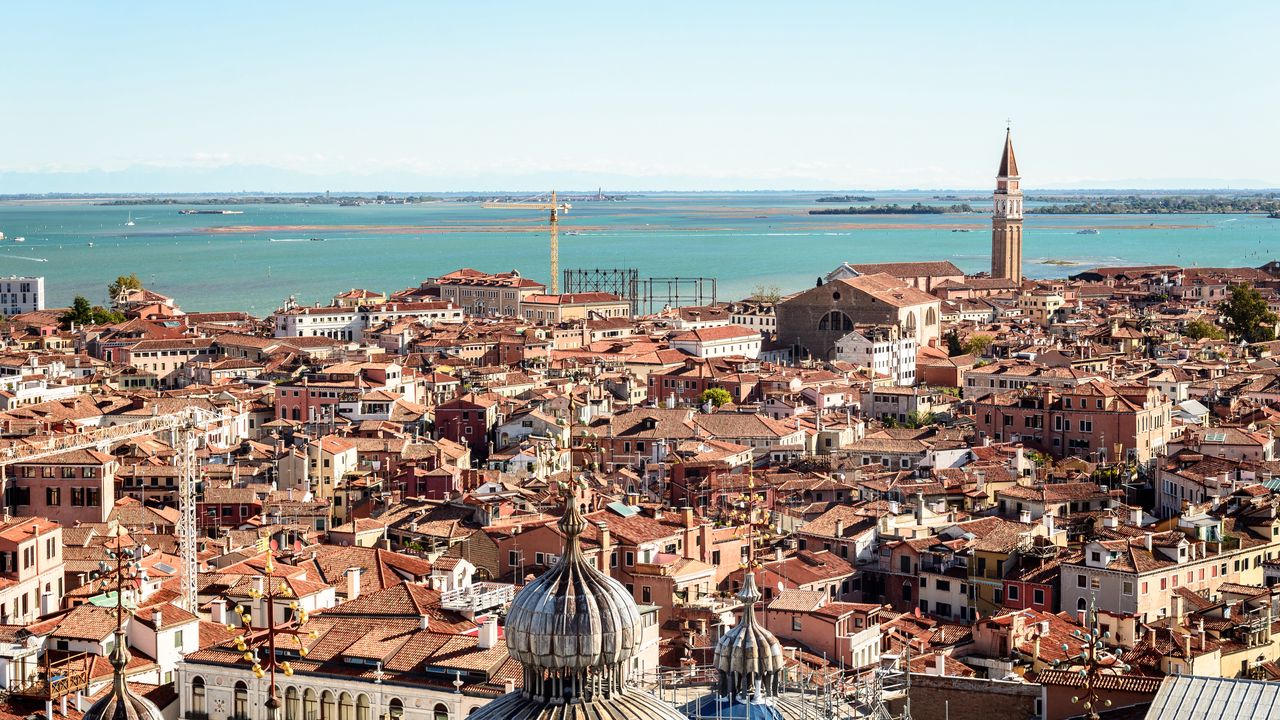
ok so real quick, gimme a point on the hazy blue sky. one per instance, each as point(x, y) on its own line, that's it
point(645, 95)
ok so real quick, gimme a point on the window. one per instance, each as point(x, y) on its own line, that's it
point(1012, 592)
point(1127, 587)
point(328, 706)
point(998, 596)
point(1037, 596)
point(395, 709)
point(177, 639)
point(646, 594)
point(362, 707)
point(1081, 581)
point(441, 712)
point(346, 707)
point(240, 708)
point(291, 704)
point(197, 696)
point(795, 623)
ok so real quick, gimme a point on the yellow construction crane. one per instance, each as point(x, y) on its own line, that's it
point(556, 208)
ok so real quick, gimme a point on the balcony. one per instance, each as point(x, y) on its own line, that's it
point(478, 598)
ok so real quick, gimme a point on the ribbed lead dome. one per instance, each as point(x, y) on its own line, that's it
point(120, 703)
point(574, 628)
point(749, 658)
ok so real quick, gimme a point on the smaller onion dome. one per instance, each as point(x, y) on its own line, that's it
point(120, 703)
point(749, 658)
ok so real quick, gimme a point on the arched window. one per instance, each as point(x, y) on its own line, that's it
point(346, 707)
point(197, 696)
point(472, 711)
point(291, 704)
point(1081, 604)
point(328, 706)
point(907, 591)
point(440, 713)
point(395, 709)
point(910, 322)
point(835, 321)
point(930, 317)
point(362, 707)
point(310, 708)
point(241, 705)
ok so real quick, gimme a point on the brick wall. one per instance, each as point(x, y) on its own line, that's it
point(940, 698)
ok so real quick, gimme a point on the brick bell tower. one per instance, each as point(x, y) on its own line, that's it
point(1006, 218)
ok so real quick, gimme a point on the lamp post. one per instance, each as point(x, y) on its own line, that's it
point(1094, 659)
point(252, 637)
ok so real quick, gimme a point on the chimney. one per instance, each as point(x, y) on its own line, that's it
point(1024, 517)
point(157, 618)
point(46, 603)
point(777, 554)
point(1146, 541)
point(1110, 521)
point(218, 611)
point(919, 507)
point(1151, 636)
point(353, 583)
point(423, 622)
point(940, 664)
point(606, 546)
point(839, 527)
point(893, 507)
point(258, 584)
point(1049, 524)
point(1176, 608)
point(686, 515)
point(509, 686)
point(487, 635)
point(1135, 516)
point(1186, 644)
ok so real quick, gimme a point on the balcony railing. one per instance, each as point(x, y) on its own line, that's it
point(478, 598)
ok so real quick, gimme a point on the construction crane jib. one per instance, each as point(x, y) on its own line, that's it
point(557, 208)
point(185, 429)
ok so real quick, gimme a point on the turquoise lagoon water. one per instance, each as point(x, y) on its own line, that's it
point(253, 261)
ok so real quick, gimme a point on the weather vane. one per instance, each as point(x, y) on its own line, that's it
point(252, 637)
point(1095, 659)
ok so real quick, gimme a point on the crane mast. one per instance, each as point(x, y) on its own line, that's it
point(557, 208)
point(183, 427)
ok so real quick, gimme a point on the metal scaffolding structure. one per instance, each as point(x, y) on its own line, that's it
point(646, 295)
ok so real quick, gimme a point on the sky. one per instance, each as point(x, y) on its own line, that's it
point(453, 96)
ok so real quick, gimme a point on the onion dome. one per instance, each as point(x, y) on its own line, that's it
point(574, 629)
point(120, 703)
point(749, 658)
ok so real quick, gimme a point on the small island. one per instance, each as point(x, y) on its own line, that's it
point(845, 198)
point(896, 209)
point(1138, 205)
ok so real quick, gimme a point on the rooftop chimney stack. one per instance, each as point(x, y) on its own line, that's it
point(353, 583)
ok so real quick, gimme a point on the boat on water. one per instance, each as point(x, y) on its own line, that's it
point(20, 239)
point(961, 230)
point(210, 212)
point(129, 222)
point(90, 244)
point(317, 239)
point(1087, 231)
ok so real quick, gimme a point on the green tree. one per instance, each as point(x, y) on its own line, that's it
point(1246, 316)
point(82, 313)
point(124, 282)
point(1201, 329)
point(954, 347)
point(917, 419)
point(716, 396)
point(976, 344)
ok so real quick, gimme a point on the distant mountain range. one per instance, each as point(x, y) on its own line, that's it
point(263, 178)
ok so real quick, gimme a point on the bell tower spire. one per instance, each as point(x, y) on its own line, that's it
point(1006, 217)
